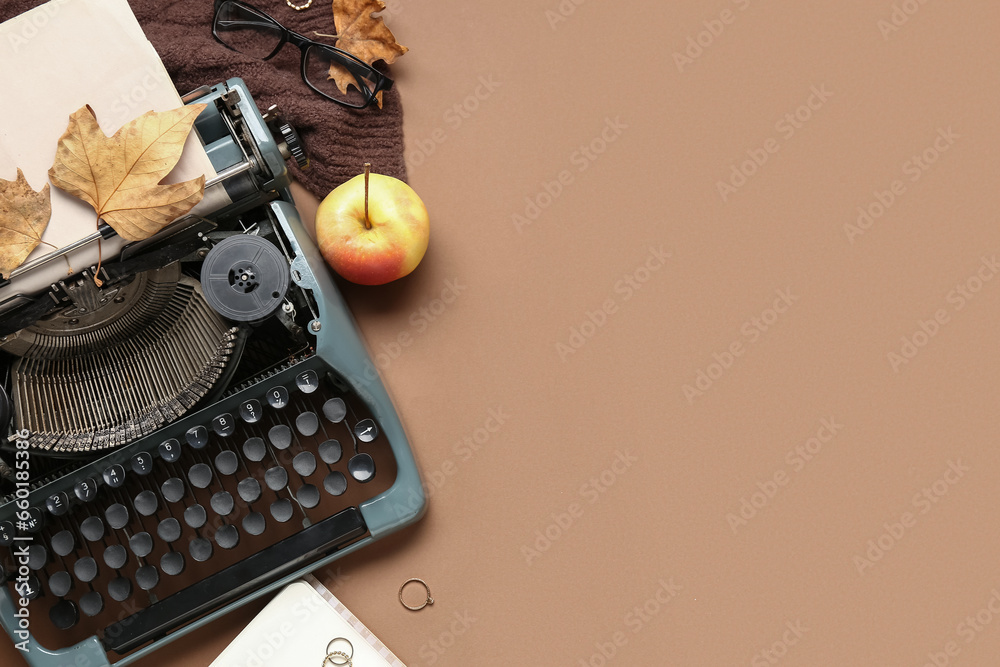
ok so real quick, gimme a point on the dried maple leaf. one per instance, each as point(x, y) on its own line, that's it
point(24, 214)
point(364, 35)
point(119, 175)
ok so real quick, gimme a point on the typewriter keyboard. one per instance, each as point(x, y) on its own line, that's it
point(189, 518)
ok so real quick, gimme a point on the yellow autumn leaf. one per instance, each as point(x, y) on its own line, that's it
point(120, 175)
point(24, 214)
point(363, 35)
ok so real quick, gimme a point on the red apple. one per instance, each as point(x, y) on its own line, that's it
point(372, 229)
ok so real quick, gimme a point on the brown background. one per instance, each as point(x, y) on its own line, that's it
point(665, 517)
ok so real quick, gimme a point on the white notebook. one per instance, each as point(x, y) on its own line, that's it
point(53, 60)
point(295, 629)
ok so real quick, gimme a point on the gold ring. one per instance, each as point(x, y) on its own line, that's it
point(331, 652)
point(329, 659)
point(427, 588)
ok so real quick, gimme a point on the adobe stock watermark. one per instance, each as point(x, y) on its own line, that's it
point(796, 459)
point(923, 502)
point(590, 491)
point(24, 28)
point(957, 299)
point(792, 634)
point(432, 649)
point(418, 150)
point(581, 158)
point(750, 331)
point(966, 631)
point(634, 620)
point(463, 451)
point(621, 292)
point(560, 12)
point(913, 169)
point(743, 169)
point(698, 43)
point(420, 320)
point(900, 15)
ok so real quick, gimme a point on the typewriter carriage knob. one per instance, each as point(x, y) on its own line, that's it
point(290, 144)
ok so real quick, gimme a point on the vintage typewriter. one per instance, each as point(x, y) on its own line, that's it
point(203, 428)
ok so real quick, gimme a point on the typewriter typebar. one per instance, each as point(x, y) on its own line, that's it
point(203, 428)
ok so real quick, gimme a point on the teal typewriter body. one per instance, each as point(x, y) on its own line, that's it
point(198, 431)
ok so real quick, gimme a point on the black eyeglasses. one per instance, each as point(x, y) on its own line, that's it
point(248, 30)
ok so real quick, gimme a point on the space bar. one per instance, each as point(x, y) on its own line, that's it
point(279, 559)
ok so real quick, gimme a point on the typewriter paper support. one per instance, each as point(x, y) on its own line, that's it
point(253, 173)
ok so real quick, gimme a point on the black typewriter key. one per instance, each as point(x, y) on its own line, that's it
point(251, 411)
point(200, 549)
point(281, 510)
point(85, 569)
point(197, 437)
point(227, 537)
point(114, 476)
point(249, 490)
point(335, 410)
point(30, 588)
point(92, 603)
point(115, 556)
point(147, 577)
point(308, 496)
point(226, 462)
point(141, 544)
point(60, 583)
point(254, 449)
point(224, 424)
point(195, 516)
point(200, 475)
point(362, 467)
point(172, 563)
point(276, 478)
point(146, 503)
point(63, 543)
point(307, 382)
point(92, 528)
point(304, 463)
point(142, 463)
point(120, 589)
point(6, 533)
point(169, 530)
point(254, 523)
point(170, 450)
point(64, 615)
point(223, 503)
point(330, 451)
point(366, 430)
point(173, 490)
point(57, 504)
point(307, 423)
point(280, 436)
point(335, 483)
point(38, 557)
point(34, 522)
point(116, 516)
point(277, 397)
point(86, 489)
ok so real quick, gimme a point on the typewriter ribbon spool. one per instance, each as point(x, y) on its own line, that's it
point(245, 278)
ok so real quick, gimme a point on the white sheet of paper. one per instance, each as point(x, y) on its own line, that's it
point(295, 629)
point(55, 59)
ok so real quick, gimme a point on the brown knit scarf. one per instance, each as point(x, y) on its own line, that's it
point(339, 140)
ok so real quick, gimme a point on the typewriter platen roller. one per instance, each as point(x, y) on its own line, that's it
point(202, 428)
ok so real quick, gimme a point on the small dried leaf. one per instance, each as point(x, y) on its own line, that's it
point(364, 35)
point(24, 215)
point(119, 176)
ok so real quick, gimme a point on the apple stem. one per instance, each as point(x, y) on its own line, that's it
point(368, 167)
